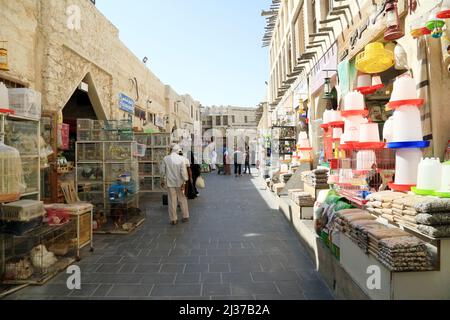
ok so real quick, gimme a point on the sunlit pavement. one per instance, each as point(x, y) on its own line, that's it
point(237, 246)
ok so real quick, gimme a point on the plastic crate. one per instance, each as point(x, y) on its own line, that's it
point(23, 210)
point(98, 135)
point(25, 102)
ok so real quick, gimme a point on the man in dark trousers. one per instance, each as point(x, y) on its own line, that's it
point(238, 160)
point(247, 162)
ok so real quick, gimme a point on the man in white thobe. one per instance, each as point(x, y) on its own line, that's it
point(175, 175)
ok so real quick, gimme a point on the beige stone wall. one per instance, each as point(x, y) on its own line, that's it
point(19, 26)
point(47, 55)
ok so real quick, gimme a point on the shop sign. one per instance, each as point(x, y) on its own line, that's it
point(327, 62)
point(126, 103)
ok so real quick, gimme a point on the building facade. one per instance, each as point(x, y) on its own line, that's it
point(309, 40)
point(55, 46)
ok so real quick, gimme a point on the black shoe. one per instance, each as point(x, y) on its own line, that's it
point(174, 223)
point(185, 220)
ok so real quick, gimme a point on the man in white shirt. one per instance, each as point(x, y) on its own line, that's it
point(175, 175)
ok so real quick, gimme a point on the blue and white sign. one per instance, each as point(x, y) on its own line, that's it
point(126, 103)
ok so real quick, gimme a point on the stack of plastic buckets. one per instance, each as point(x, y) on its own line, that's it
point(407, 136)
point(354, 114)
point(304, 147)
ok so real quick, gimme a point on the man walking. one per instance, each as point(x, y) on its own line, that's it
point(175, 175)
point(238, 160)
point(247, 162)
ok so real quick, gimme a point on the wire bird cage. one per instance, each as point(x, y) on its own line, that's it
point(37, 256)
point(362, 171)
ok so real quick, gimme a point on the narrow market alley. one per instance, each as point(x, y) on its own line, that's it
point(236, 246)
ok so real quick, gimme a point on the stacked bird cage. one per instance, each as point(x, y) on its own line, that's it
point(37, 256)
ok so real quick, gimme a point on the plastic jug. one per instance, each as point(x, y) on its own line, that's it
point(406, 165)
point(4, 98)
point(352, 128)
point(445, 183)
point(429, 174)
point(407, 124)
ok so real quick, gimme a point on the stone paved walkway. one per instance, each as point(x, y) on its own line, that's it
point(236, 246)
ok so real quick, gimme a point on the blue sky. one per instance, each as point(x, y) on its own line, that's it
point(210, 49)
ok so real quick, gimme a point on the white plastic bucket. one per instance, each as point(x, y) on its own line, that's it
point(429, 174)
point(364, 80)
point(406, 165)
point(369, 132)
point(354, 101)
point(404, 89)
point(352, 128)
point(407, 124)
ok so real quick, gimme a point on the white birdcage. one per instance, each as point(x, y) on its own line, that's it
point(11, 174)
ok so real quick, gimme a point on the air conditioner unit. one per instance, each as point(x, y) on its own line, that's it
point(83, 87)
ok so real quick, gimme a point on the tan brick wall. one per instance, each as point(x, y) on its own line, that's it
point(46, 55)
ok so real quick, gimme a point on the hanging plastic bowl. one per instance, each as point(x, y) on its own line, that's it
point(443, 14)
point(369, 145)
point(375, 59)
point(434, 23)
point(370, 89)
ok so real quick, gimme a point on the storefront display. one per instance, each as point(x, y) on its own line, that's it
point(157, 146)
point(101, 168)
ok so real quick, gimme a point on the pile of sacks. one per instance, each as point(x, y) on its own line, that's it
point(317, 178)
point(394, 248)
point(429, 215)
point(301, 198)
point(406, 253)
